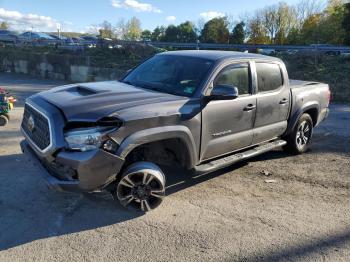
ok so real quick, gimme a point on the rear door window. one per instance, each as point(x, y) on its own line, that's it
point(269, 77)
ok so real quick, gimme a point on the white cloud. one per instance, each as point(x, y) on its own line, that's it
point(171, 18)
point(136, 6)
point(117, 4)
point(20, 21)
point(211, 14)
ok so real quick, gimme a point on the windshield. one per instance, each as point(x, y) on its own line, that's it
point(177, 75)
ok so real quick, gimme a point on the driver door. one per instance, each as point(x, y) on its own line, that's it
point(227, 125)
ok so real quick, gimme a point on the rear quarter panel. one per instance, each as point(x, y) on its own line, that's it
point(306, 96)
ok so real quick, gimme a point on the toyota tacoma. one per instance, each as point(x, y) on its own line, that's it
point(200, 110)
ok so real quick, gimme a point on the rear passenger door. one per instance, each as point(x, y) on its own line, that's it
point(273, 101)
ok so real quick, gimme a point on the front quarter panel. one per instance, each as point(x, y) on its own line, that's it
point(160, 133)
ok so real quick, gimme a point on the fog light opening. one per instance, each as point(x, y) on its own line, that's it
point(110, 146)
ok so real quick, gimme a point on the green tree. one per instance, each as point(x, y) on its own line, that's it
point(146, 35)
point(309, 32)
point(158, 34)
point(294, 37)
point(171, 34)
point(346, 23)
point(257, 32)
point(4, 25)
point(187, 32)
point(216, 31)
point(330, 28)
point(184, 33)
point(238, 34)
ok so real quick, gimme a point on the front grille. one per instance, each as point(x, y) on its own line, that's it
point(36, 127)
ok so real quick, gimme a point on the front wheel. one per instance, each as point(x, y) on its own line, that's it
point(141, 187)
point(298, 141)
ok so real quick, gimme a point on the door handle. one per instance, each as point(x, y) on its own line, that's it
point(284, 101)
point(249, 107)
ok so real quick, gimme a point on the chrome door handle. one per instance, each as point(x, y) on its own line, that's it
point(249, 107)
point(284, 101)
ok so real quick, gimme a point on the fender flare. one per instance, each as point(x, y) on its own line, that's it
point(295, 117)
point(158, 134)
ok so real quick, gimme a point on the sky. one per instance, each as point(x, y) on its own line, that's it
point(79, 15)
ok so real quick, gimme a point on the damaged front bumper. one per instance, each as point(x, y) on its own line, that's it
point(76, 171)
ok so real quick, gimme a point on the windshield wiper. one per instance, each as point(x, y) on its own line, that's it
point(156, 89)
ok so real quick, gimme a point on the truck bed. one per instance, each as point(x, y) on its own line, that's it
point(299, 83)
point(309, 94)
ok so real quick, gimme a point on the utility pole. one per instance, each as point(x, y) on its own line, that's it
point(58, 30)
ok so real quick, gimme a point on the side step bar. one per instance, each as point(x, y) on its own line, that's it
point(231, 159)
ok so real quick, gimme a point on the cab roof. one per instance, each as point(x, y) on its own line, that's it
point(219, 55)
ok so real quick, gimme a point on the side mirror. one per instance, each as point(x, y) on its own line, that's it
point(224, 92)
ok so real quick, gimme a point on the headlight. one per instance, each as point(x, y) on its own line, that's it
point(86, 139)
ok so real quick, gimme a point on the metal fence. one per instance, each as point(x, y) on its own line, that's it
point(249, 47)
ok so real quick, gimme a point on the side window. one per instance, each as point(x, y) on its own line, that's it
point(237, 76)
point(269, 77)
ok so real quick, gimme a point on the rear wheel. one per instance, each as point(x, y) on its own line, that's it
point(299, 140)
point(3, 120)
point(141, 187)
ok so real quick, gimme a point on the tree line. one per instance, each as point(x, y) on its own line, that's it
point(308, 22)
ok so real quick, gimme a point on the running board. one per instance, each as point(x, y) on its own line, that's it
point(231, 159)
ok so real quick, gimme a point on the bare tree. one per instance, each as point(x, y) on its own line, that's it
point(120, 30)
point(275, 20)
point(307, 8)
point(105, 30)
point(199, 25)
point(93, 29)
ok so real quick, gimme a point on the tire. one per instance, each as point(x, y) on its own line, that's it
point(3, 120)
point(141, 187)
point(299, 140)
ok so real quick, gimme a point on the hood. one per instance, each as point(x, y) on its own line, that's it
point(92, 101)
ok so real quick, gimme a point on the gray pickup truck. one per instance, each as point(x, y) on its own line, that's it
point(200, 110)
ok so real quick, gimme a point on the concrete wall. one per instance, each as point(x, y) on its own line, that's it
point(58, 67)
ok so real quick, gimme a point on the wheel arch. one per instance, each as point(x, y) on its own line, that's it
point(311, 108)
point(161, 134)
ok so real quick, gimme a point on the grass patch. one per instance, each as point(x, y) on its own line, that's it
point(333, 70)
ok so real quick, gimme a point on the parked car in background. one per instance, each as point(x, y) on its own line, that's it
point(88, 40)
point(266, 51)
point(322, 49)
point(36, 38)
point(73, 41)
point(289, 52)
point(7, 36)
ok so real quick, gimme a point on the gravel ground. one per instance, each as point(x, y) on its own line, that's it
point(230, 215)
